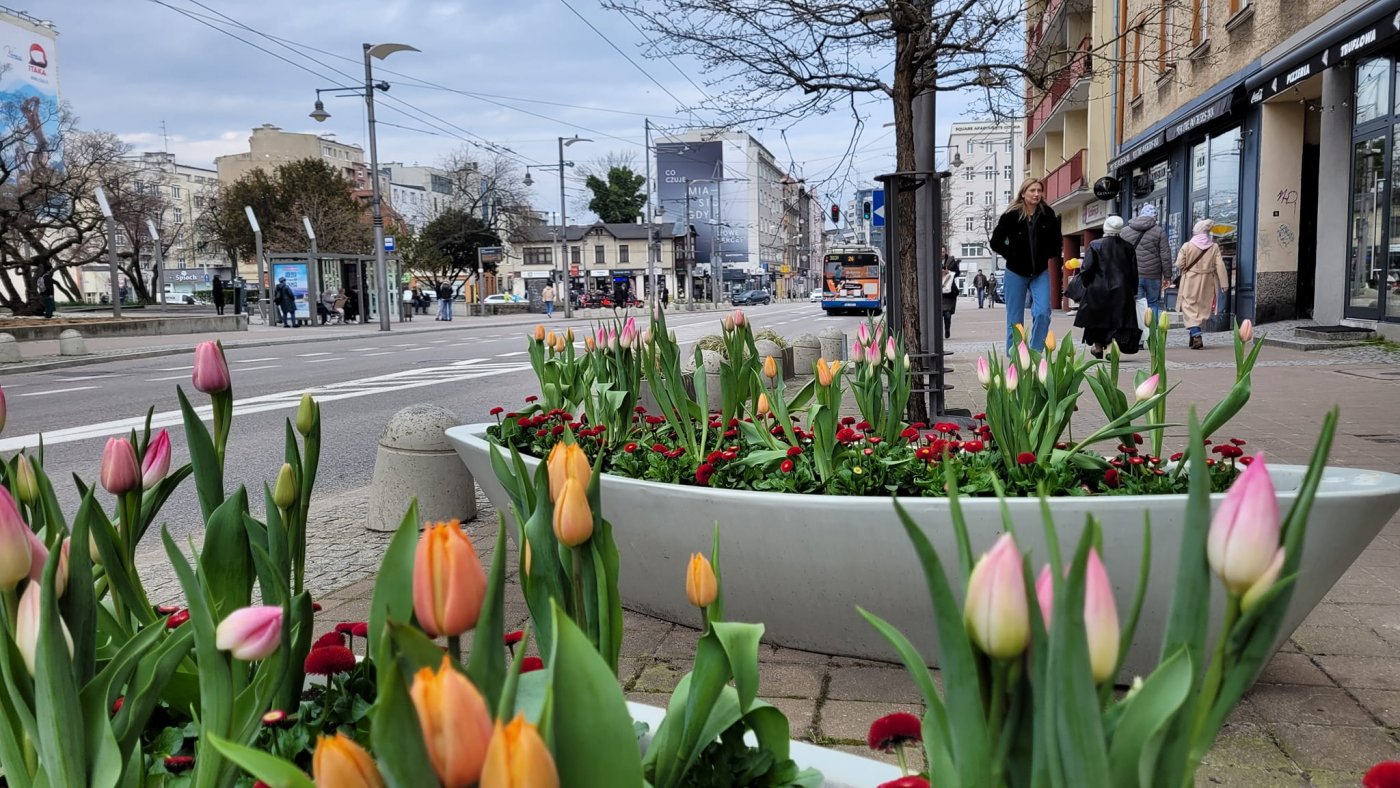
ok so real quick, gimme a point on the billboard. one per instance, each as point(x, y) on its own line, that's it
point(697, 167)
point(295, 274)
point(29, 98)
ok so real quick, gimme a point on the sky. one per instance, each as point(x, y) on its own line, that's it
point(170, 75)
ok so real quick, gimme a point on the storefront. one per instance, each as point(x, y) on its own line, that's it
point(1373, 254)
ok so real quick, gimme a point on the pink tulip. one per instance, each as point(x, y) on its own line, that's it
point(1264, 583)
point(996, 611)
point(891, 353)
point(863, 334)
point(120, 472)
point(727, 323)
point(872, 354)
point(1246, 334)
point(1042, 372)
point(879, 333)
point(250, 633)
point(15, 553)
point(857, 353)
point(628, 338)
point(1146, 389)
point(1023, 356)
point(1100, 619)
point(1244, 533)
point(1045, 595)
point(156, 463)
point(1013, 379)
point(27, 627)
point(39, 556)
point(984, 371)
point(739, 319)
point(210, 369)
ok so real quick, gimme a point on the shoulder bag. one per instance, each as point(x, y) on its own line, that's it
point(1176, 280)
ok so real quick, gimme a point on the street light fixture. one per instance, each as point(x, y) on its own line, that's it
point(319, 114)
point(112, 268)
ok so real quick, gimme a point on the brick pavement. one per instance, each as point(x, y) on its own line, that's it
point(1324, 710)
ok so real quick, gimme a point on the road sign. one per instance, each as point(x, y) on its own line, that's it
point(390, 245)
point(877, 206)
point(491, 254)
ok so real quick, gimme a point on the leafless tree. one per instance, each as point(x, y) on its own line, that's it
point(490, 187)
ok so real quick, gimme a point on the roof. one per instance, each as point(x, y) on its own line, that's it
point(624, 231)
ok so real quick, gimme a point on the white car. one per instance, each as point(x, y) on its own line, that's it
point(816, 296)
point(500, 298)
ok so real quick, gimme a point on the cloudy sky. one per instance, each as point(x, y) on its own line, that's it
point(172, 74)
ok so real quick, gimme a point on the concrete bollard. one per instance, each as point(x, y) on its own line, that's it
point(766, 348)
point(806, 349)
point(9, 350)
point(415, 459)
point(711, 361)
point(70, 343)
point(833, 344)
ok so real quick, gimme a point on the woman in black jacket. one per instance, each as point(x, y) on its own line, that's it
point(1028, 236)
point(1108, 312)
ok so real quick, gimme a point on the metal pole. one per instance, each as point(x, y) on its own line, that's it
point(316, 277)
point(714, 261)
point(690, 254)
point(651, 226)
point(717, 261)
point(564, 233)
point(381, 269)
point(113, 270)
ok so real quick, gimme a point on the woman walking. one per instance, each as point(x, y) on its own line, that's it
point(1028, 236)
point(950, 295)
point(1200, 271)
point(1108, 311)
point(218, 295)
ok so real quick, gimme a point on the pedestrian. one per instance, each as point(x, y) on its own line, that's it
point(1154, 256)
point(340, 304)
point(218, 295)
point(1028, 236)
point(1108, 304)
point(979, 283)
point(420, 302)
point(547, 295)
point(327, 305)
point(407, 309)
point(1200, 273)
point(445, 294)
point(950, 296)
point(352, 304)
point(665, 298)
point(286, 301)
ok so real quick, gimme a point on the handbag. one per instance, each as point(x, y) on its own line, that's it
point(1176, 280)
point(1075, 290)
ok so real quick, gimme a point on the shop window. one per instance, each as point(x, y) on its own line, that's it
point(1367, 261)
point(1372, 89)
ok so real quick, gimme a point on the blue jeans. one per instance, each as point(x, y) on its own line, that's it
point(1151, 290)
point(1017, 289)
point(444, 309)
point(549, 309)
point(981, 296)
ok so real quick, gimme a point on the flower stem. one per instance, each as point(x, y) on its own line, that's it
point(1210, 685)
point(454, 647)
point(997, 704)
point(903, 766)
point(704, 620)
point(578, 587)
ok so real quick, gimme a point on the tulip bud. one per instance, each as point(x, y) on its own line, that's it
point(727, 323)
point(891, 352)
point(60, 577)
point(770, 367)
point(284, 492)
point(1023, 356)
point(455, 722)
point(518, 758)
point(1042, 371)
point(878, 334)
point(835, 368)
point(156, 464)
point(250, 633)
point(93, 554)
point(26, 482)
point(1013, 379)
point(341, 763)
point(824, 374)
point(996, 610)
point(1244, 532)
point(862, 334)
point(614, 341)
point(559, 343)
point(1020, 332)
point(549, 338)
point(569, 335)
point(646, 337)
point(1148, 318)
point(210, 368)
point(762, 404)
point(1246, 334)
point(27, 627)
point(1045, 595)
point(1100, 619)
point(16, 557)
point(1146, 389)
point(449, 584)
point(1264, 583)
point(739, 319)
point(527, 558)
point(701, 586)
point(1049, 340)
point(671, 335)
point(857, 352)
point(567, 461)
point(38, 557)
point(306, 414)
point(1164, 321)
point(873, 355)
point(573, 517)
point(538, 334)
point(589, 344)
point(984, 371)
point(120, 473)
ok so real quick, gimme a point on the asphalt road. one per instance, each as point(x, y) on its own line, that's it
point(361, 382)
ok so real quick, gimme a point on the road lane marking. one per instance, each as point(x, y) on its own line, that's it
point(512, 353)
point(309, 355)
point(382, 353)
point(361, 349)
point(255, 369)
point(172, 369)
point(440, 341)
point(255, 360)
point(168, 377)
point(59, 391)
point(319, 360)
point(85, 377)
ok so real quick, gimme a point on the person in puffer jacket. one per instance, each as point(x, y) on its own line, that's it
point(1154, 257)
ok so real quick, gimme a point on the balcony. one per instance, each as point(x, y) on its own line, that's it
point(1065, 179)
point(1080, 66)
point(1037, 34)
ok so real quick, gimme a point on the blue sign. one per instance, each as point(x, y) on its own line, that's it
point(877, 208)
point(390, 244)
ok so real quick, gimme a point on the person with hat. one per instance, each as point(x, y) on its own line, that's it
point(1154, 256)
point(286, 302)
point(1108, 310)
point(1202, 268)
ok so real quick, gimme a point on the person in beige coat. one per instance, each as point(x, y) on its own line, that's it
point(1202, 271)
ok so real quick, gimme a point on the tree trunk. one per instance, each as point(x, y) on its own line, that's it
point(907, 323)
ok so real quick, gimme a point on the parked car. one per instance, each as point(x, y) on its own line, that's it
point(816, 296)
point(500, 298)
point(751, 298)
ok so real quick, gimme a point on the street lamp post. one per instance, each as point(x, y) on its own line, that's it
point(568, 279)
point(112, 267)
point(319, 114)
point(258, 253)
point(313, 270)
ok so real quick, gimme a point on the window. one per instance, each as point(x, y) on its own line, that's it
point(598, 255)
point(986, 198)
point(1200, 20)
point(1237, 6)
point(1006, 172)
point(624, 254)
point(1164, 35)
point(199, 202)
point(179, 216)
point(990, 172)
point(987, 147)
point(969, 174)
point(1006, 196)
point(972, 250)
point(1137, 63)
point(121, 238)
point(969, 199)
point(970, 224)
point(539, 255)
point(175, 192)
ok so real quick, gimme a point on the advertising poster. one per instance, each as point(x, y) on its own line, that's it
point(296, 276)
point(29, 96)
point(680, 164)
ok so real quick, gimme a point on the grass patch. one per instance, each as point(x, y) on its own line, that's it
point(1382, 343)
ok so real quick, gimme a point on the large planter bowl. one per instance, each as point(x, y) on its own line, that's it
point(801, 563)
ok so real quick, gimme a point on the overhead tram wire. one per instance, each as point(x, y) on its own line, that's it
point(627, 57)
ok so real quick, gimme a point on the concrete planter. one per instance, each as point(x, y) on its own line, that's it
point(801, 563)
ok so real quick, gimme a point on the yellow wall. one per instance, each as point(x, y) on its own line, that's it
point(1280, 177)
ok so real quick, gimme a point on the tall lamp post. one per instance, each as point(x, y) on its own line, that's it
point(112, 267)
point(258, 253)
point(563, 221)
point(319, 114)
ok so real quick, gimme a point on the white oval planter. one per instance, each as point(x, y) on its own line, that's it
point(801, 563)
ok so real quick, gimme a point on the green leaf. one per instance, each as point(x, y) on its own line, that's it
point(1076, 718)
point(208, 474)
point(1136, 740)
point(272, 770)
point(58, 713)
point(226, 561)
point(394, 729)
point(393, 589)
point(487, 666)
point(596, 748)
point(740, 642)
point(79, 603)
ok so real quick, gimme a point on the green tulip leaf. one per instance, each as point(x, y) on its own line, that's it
point(58, 712)
point(487, 666)
point(208, 470)
point(272, 770)
point(226, 562)
point(393, 588)
point(598, 748)
point(1132, 755)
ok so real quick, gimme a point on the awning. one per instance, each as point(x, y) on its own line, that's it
point(1358, 34)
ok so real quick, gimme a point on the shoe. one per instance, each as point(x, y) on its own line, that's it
point(947, 334)
point(1096, 351)
point(1197, 343)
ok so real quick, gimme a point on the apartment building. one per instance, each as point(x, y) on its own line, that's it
point(433, 189)
point(987, 161)
point(270, 146)
point(608, 257)
point(1277, 120)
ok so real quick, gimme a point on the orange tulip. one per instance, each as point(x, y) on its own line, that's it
point(567, 461)
point(770, 367)
point(701, 586)
point(549, 338)
point(573, 518)
point(341, 763)
point(762, 404)
point(824, 375)
point(455, 722)
point(539, 333)
point(448, 582)
point(518, 758)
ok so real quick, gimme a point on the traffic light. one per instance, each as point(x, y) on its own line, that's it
point(865, 210)
point(835, 214)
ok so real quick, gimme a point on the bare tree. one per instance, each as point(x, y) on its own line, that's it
point(490, 187)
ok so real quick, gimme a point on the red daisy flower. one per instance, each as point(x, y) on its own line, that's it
point(165, 610)
point(1136, 460)
point(846, 435)
point(1176, 457)
point(924, 453)
point(329, 660)
point(511, 638)
point(867, 452)
point(874, 439)
point(703, 473)
point(786, 466)
point(654, 420)
point(907, 781)
point(639, 409)
point(532, 398)
point(315, 607)
point(176, 764)
point(497, 411)
point(1137, 438)
point(524, 422)
point(979, 416)
point(730, 455)
point(1238, 441)
point(659, 448)
point(863, 426)
point(360, 630)
point(529, 664)
point(1385, 774)
point(909, 433)
point(973, 446)
point(793, 451)
point(894, 730)
point(177, 618)
point(345, 627)
point(274, 718)
point(731, 433)
point(1246, 460)
point(329, 639)
point(1110, 477)
point(629, 448)
point(1025, 458)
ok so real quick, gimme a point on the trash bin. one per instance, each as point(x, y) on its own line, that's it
point(240, 297)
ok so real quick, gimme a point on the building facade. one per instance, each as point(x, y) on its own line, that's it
point(987, 164)
point(607, 258)
point(270, 146)
point(434, 185)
